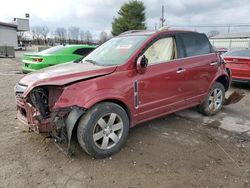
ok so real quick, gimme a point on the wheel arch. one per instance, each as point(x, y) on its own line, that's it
point(120, 103)
point(224, 80)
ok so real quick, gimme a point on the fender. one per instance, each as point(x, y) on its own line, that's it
point(106, 94)
point(64, 127)
point(218, 75)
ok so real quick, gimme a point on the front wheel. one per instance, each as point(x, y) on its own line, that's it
point(103, 130)
point(214, 100)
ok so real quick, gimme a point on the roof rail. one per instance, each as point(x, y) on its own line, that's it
point(130, 31)
point(164, 28)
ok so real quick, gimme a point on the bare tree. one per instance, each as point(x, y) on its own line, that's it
point(82, 36)
point(88, 37)
point(44, 33)
point(212, 33)
point(20, 36)
point(74, 33)
point(61, 33)
point(103, 37)
point(36, 34)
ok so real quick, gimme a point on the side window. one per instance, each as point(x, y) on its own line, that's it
point(195, 44)
point(83, 51)
point(161, 51)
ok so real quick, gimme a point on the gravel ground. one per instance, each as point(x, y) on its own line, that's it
point(184, 149)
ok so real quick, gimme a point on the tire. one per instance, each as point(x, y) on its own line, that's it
point(213, 104)
point(103, 130)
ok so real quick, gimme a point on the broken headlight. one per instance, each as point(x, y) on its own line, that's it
point(39, 98)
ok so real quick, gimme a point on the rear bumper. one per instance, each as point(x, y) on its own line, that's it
point(31, 67)
point(241, 80)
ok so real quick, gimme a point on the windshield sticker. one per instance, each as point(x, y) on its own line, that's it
point(124, 48)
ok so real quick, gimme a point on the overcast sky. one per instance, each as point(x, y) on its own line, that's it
point(97, 15)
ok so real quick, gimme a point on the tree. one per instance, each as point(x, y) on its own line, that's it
point(88, 37)
point(74, 33)
point(61, 33)
point(44, 33)
point(20, 36)
point(131, 16)
point(82, 36)
point(213, 33)
point(103, 37)
point(36, 34)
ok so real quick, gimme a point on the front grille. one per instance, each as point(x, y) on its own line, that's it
point(19, 94)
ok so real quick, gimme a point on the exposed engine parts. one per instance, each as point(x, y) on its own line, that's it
point(39, 98)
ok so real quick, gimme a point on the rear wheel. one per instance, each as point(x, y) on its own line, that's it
point(103, 130)
point(214, 100)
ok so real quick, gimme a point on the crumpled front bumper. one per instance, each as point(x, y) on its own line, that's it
point(27, 114)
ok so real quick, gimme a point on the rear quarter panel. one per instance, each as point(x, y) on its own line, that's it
point(240, 67)
point(64, 58)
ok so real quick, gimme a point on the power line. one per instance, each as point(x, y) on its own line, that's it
point(218, 25)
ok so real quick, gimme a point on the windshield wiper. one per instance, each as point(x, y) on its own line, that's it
point(78, 60)
point(91, 61)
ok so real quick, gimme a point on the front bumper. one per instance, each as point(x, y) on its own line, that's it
point(27, 114)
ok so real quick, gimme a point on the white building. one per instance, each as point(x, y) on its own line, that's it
point(231, 40)
point(8, 34)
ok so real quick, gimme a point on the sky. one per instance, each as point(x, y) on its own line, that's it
point(97, 15)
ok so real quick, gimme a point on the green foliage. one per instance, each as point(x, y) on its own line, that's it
point(131, 16)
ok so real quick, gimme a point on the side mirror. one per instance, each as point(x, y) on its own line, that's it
point(221, 60)
point(141, 64)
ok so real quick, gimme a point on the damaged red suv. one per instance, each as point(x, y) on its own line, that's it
point(130, 79)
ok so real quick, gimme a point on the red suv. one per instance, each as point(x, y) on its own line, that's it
point(130, 79)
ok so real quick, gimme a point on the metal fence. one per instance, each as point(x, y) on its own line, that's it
point(230, 43)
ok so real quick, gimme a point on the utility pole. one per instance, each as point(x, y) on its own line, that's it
point(162, 19)
point(228, 29)
point(155, 26)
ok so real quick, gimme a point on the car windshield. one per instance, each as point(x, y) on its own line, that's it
point(53, 50)
point(240, 53)
point(115, 51)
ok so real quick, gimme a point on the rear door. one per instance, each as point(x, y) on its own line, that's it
point(201, 65)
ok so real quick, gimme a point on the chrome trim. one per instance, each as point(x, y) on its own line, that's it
point(214, 63)
point(136, 97)
point(180, 71)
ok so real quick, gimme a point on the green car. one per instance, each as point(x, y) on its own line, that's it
point(53, 56)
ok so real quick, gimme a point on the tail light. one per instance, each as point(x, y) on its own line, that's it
point(37, 60)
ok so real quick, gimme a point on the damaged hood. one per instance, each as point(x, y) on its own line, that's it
point(64, 74)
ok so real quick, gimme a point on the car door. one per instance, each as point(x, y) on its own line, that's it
point(160, 87)
point(201, 65)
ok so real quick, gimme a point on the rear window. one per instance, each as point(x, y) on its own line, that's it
point(83, 51)
point(195, 44)
point(53, 50)
point(241, 53)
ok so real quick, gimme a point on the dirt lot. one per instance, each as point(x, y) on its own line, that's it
point(185, 149)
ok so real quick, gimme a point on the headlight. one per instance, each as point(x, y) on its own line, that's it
point(19, 88)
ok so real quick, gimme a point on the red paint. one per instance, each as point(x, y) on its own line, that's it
point(240, 67)
point(161, 89)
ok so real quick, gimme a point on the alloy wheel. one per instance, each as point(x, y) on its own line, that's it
point(215, 99)
point(108, 131)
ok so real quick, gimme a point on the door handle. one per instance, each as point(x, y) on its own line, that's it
point(180, 70)
point(214, 63)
